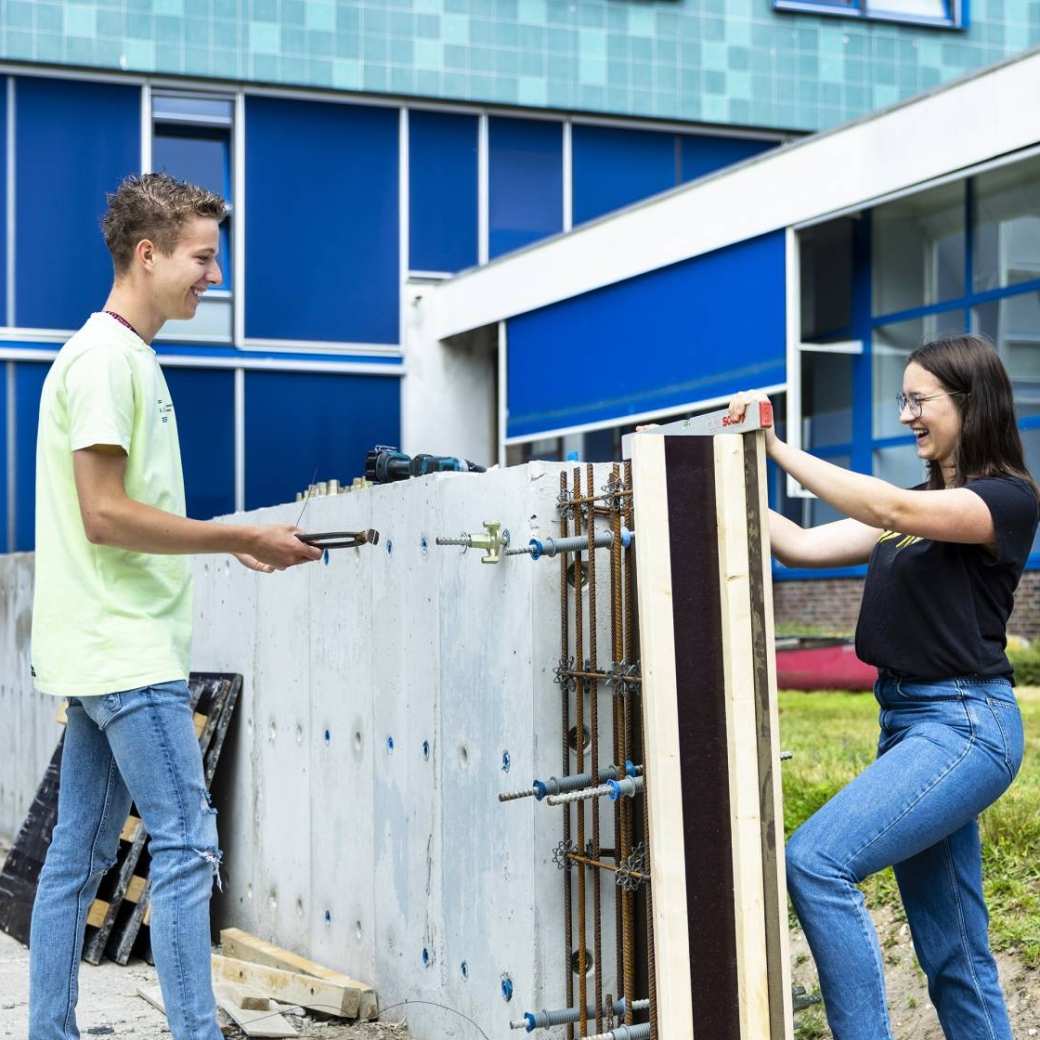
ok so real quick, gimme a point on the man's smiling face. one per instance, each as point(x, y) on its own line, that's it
point(180, 279)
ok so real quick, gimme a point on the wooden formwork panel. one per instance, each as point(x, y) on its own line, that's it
point(711, 742)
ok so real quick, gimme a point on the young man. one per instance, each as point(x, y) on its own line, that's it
point(112, 611)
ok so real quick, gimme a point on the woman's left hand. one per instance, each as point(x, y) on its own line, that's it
point(738, 407)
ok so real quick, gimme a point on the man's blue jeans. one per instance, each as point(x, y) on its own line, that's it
point(137, 745)
point(947, 751)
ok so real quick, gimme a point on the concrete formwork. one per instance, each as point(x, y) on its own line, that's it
point(390, 695)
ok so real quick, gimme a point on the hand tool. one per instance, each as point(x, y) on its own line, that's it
point(759, 416)
point(340, 539)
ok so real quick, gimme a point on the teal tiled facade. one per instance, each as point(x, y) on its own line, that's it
point(734, 62)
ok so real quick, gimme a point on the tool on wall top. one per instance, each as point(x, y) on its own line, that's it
point(385, 464)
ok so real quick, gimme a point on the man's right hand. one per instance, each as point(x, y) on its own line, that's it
point(278, 546)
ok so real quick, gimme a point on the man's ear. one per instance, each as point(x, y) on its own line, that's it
point(145, 252)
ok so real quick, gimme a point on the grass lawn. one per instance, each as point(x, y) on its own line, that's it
point(834, 736)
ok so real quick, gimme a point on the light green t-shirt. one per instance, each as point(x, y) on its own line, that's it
point(106, 619)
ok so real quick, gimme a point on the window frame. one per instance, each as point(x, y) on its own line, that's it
point(956, 18)
point(225, 298)
point(864, 324)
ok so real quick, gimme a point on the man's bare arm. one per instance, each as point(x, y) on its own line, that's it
point(111, 517)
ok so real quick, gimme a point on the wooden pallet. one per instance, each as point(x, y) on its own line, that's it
point(709, 712)
point(119, 916)
point(217, 701)
point(21, 870)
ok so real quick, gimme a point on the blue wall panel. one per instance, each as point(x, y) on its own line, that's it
point(701, 155)
point(301, 422)
point(442, 189)
point(28, 384)
point(4, 545)
point(614, 167)
point(322, 238)
point(525, 170)
point(204, 401)
point(74, 142)
point(3, 215)
point(699, 329)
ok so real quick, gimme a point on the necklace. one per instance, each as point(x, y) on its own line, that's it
point(122, 321)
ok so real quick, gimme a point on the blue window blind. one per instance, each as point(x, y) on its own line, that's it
point(701, 155)
point(526, 182)
point(322, 239)
point(74, 143)
point(442, 179)
point(301, 422)
point(28, 384)
point(664, 339)
point(204, 401)
point(200, 155)
point(612, 167)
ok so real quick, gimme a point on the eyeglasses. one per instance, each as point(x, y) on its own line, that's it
point(913, 402)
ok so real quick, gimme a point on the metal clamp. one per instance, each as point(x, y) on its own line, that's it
point(494, 541)
point(340, 539)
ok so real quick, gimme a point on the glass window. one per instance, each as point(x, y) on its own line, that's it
point(919, 249)
point(826, 398)
point(819, 512)
point(892, 345)
point(1007, 226)
point(1014, 326)
point(1031, 447)
point(201, 155)
point(929, 9)
point(174, 108)
point(825, 253)
point(900, 465)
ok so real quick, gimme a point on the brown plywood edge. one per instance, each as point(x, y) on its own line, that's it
point(768, 718)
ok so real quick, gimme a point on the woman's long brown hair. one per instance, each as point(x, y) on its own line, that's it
point(970, 369)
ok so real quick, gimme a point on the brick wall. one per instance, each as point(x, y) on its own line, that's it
point(834, 604)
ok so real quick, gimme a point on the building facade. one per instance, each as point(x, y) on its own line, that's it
point(372, 152)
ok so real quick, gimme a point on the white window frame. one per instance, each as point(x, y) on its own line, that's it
point(222, 297)
point(867, 10)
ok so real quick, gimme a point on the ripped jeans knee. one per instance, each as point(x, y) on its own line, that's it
point(207, 844)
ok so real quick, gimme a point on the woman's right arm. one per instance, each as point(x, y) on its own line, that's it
point(838, 544)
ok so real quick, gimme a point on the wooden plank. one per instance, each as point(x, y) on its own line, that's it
point(742, 746)
point(96, 913)
point(661, 741)
point(711, 757)
point(258, 1023)
point(781, 1010)
point(130, 829)
point(246, 947)
point(291, 987)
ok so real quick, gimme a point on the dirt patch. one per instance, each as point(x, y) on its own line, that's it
point(912, 1014)
point(337, 1031)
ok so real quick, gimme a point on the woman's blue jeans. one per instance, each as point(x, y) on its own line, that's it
point(947, 750)
point(137, 745)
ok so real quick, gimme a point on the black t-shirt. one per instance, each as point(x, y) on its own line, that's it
point(932, 610)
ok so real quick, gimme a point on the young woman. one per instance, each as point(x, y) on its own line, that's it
point(944, 561)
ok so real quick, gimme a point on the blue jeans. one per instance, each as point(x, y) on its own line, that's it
point(137, 745)
point(947, 750)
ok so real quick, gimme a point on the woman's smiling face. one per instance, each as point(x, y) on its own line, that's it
point(938, 427)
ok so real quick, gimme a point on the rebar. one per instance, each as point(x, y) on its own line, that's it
point(628, 639)
point(616, 646)
point(579, 722)
point(597, 906)
point(568, 901)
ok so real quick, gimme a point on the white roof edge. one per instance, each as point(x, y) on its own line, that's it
point(951, 127)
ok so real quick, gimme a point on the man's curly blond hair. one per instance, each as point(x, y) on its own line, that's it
point(155, 206)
